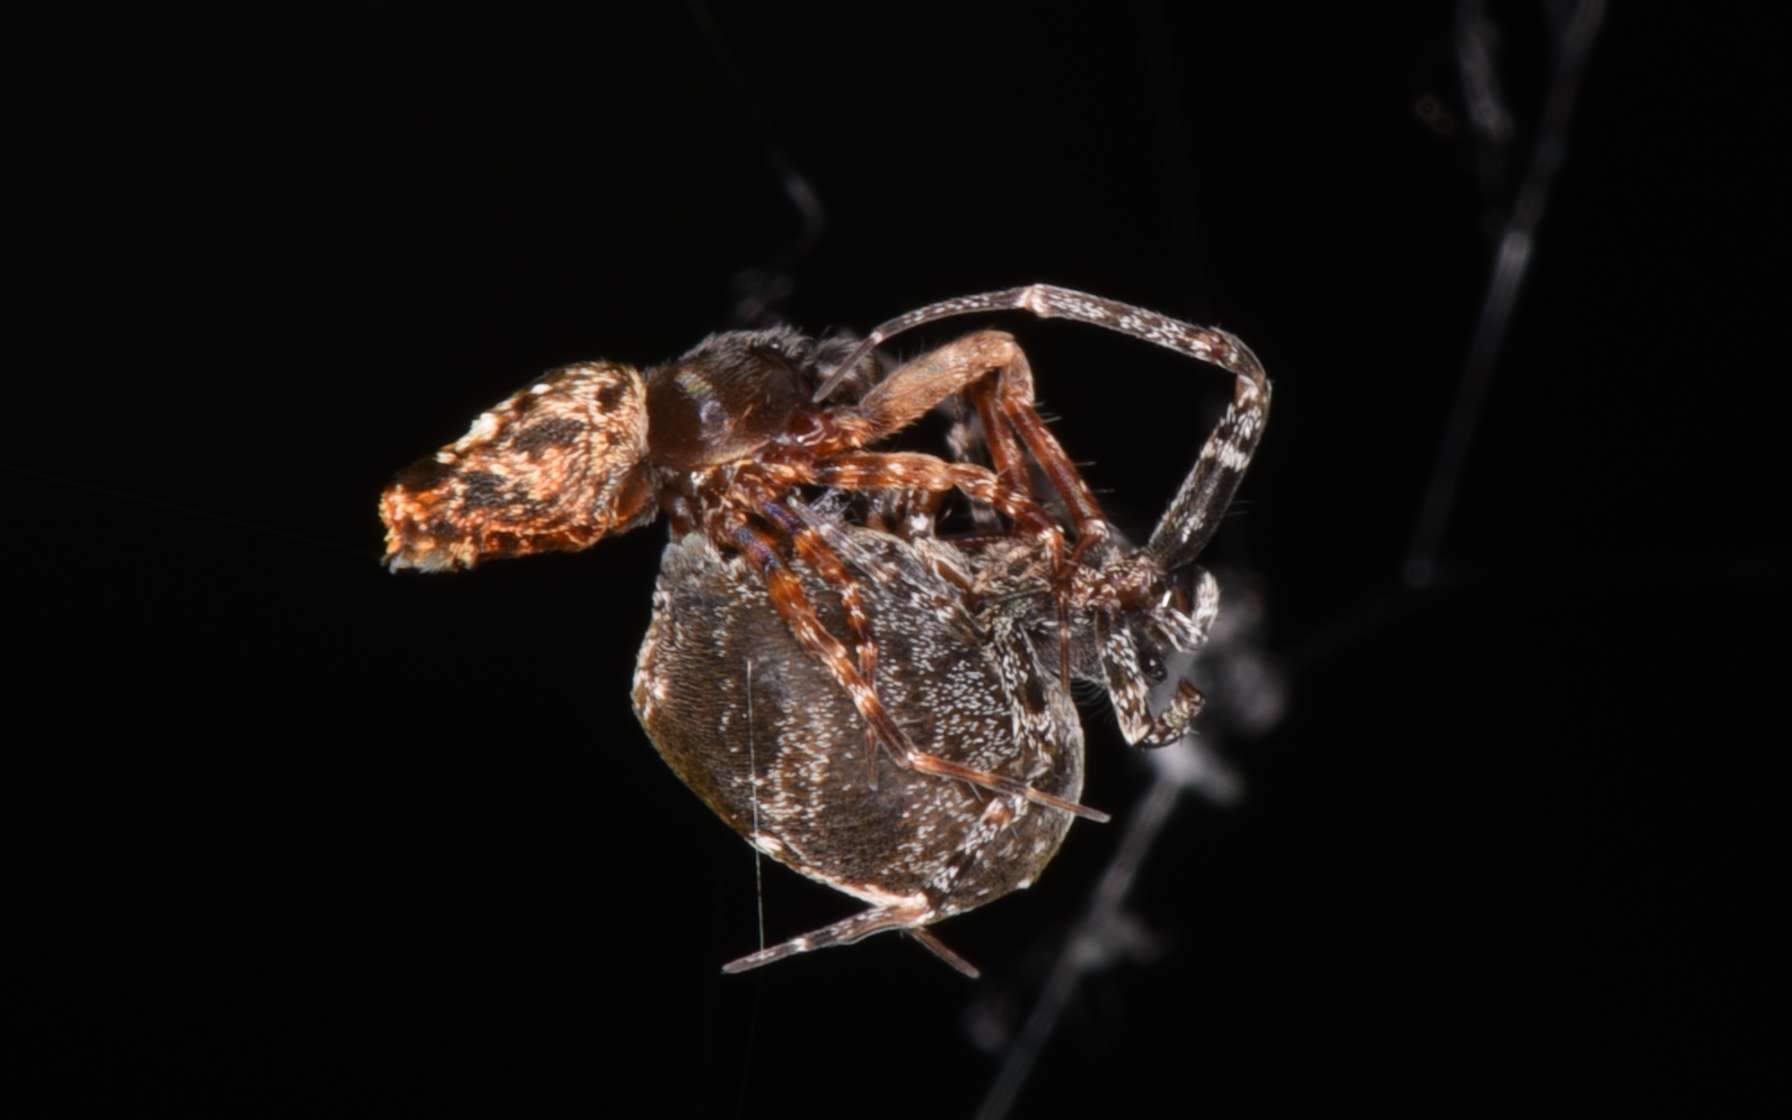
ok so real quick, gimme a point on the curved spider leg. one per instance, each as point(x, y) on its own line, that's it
point(1048, 301)
point(1194, 513)
point(1007, 409)
point(1192, 517)
point(990, 368)
point(793, 605)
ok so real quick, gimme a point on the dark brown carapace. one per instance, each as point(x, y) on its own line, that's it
point(727, 441)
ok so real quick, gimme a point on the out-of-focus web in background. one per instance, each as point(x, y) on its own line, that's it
point(1250, 688)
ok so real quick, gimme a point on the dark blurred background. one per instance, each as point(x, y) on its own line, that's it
point(292, 836)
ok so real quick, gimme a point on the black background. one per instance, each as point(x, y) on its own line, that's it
point(293, 836)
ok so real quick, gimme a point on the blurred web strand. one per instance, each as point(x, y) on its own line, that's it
point(760, 292)
point(1573, 35)
point(1086, 948)
point(1573, 44)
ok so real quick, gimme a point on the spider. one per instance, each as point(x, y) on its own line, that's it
point(721, 439)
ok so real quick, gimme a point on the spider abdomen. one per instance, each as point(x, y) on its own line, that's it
point(757, 727)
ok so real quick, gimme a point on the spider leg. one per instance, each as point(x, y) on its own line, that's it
point(1047, 301)
point(934, 945)
point(910, 919)
point(793, 605)
point(991, 369)
point(1006, 410)
point(815, 551)
point(1130, 690)
point(910, 470)
point(1195, 512)
point(1193, 516)
point(963, 439)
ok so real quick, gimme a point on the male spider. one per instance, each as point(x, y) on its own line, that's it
point(723, 438)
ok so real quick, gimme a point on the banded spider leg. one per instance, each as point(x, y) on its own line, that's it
point(1126, 598)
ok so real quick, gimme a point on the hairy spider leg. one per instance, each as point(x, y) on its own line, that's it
point(913, 470)
point(990, 368)
point(1048, 301)
point(1192, 516)
point(908, 918)
point(1195, 512)
point(819, 555)
point(1183, 531)
point(793, 606)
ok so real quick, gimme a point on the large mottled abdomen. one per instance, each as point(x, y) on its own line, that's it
point(761, 731)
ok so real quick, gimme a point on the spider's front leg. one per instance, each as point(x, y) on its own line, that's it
point(1195, 513)
point(1205, 495)
point(1186, 526)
